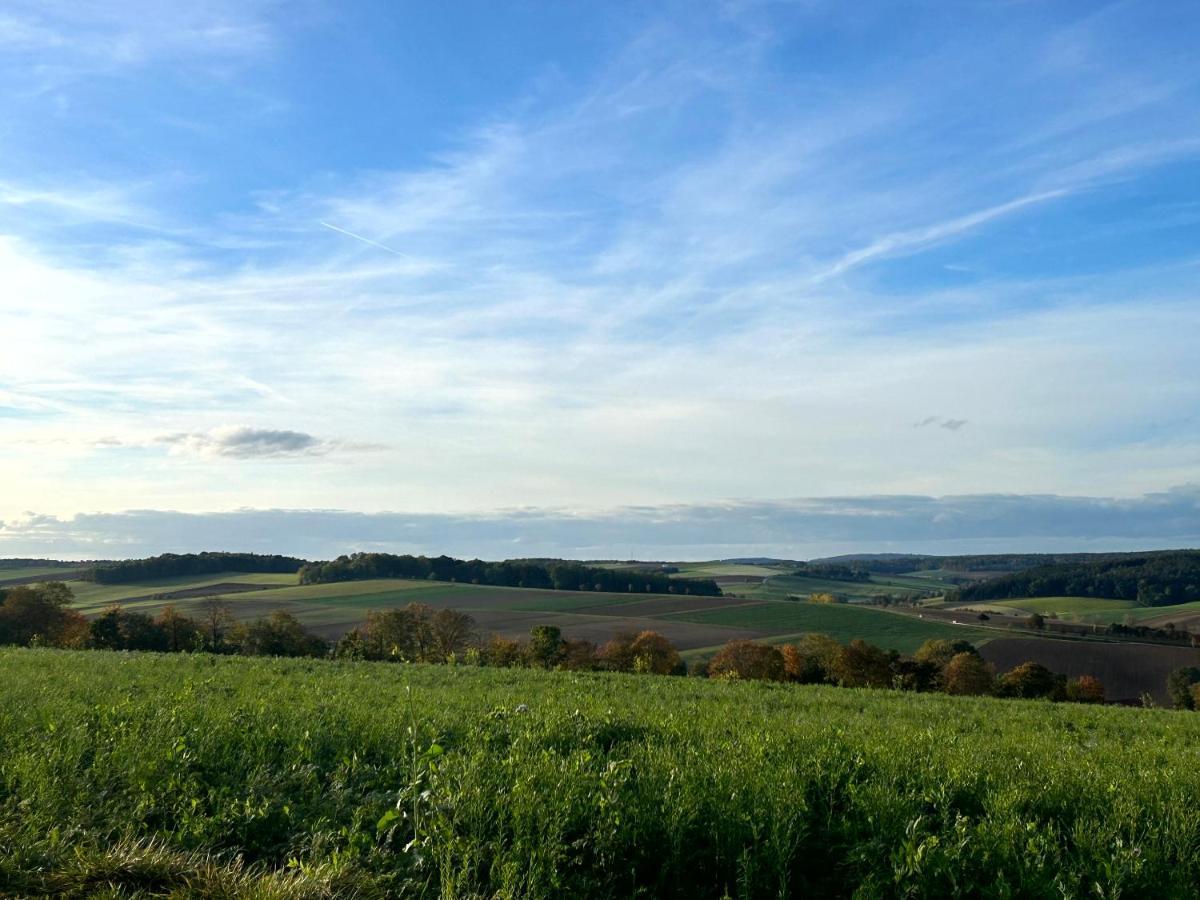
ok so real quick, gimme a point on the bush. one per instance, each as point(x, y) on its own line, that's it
point(747, 660)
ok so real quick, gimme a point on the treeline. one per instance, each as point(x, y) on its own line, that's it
point(1150, 579)
point(40, 615)
point(13, 563)
point(171, 565)
point(832, 572)
point(557, 575)
point(897, 564)
point(951, 667)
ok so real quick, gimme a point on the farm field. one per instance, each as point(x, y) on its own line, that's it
point(891, 631)
point(780, 587)
point(155, 775)
point(689, 622)
point(8, 576)
point(92, 598)
point(1083, 608)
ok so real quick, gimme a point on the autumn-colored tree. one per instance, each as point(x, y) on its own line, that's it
point(654, 654)
point(1085, 689)
point(617, 653)
point(179, 631)
point(503, 652)
point(824, 597)
point(966, 674)
point(39, 613)
point(812, 659)
point(450, 632)
point(940, 651)
point(749, 660)
point(579, 656)
point(863, 665)
point(1031, 681)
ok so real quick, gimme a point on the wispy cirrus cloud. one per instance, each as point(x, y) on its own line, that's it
point(701, 248)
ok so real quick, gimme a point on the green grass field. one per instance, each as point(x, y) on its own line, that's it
point(15, 574)
point(712, 569)
point(1070, 607)
point(892, 631)
point(91, 597)
point(151, 776)
point(780, 587)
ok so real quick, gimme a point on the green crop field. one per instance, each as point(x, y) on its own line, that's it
point(1069, 607)
point(145, 775)
point(711, 569)
point(50, 572)
point(91, 597)
point(781, 587)
point(892, 631)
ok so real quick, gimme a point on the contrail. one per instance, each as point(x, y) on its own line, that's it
point(359, 237)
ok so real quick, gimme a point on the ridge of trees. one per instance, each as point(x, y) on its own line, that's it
point(557, 575)
point(170, 565)
point(1149, 579)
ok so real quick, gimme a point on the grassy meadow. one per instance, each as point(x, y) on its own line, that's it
point(176, 775)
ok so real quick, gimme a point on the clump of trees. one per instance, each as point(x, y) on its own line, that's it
point(833, 571)
point(952, 667)
point(171, 565)
point(550, 574)
point(41, 614)
point(1149, 579)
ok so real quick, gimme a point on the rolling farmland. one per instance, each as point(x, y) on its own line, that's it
point(690, 622)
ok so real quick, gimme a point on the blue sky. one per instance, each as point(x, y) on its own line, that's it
point(582, 263)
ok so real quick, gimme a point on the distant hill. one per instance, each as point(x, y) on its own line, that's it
point(1159, 578)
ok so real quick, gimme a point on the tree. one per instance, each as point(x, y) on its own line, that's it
point(1179, 687)
point(579, 656)
point(280, 634)
point(449, 633)
point(116, 629)
point(1085, 689)
point(399, 634)
point(747, 659)
point(940, 651)
point(503, 652)
point(966, 674)
point(216, 618)
point(40, 613)
point(812, 659)
point(863, 665)
point(654, 654)
point(1037, 620)
point(545, 646)
point(1030, 681)
point(179, 631)
point(617, 653)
